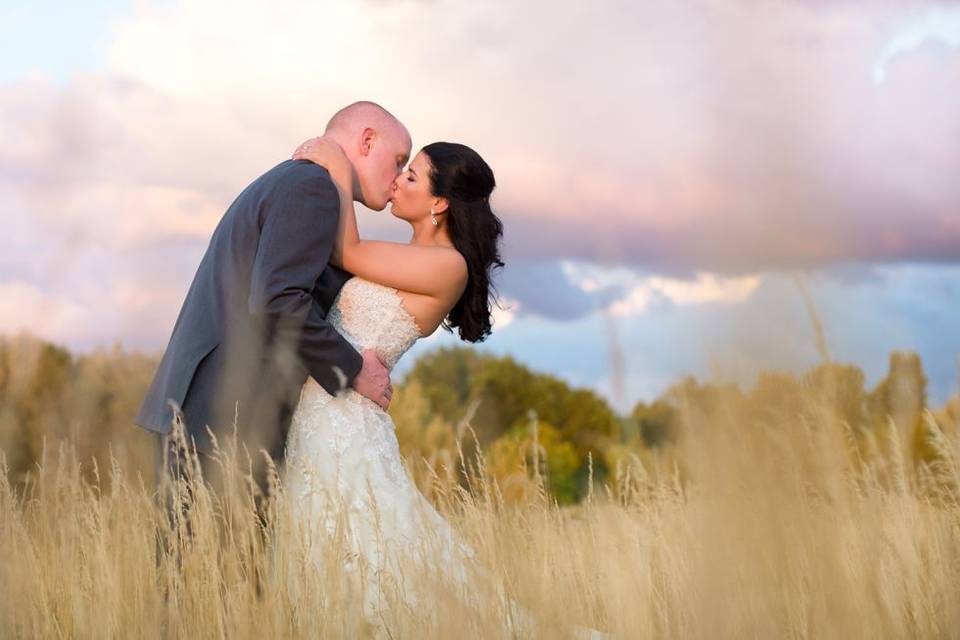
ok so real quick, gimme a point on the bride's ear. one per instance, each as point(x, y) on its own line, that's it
point(440, 205)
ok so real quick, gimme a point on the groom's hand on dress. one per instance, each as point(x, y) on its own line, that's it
point(373, 381)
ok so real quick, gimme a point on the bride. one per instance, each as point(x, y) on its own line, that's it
point(343, 464)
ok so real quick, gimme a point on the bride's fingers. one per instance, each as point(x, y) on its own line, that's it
point(301, 150)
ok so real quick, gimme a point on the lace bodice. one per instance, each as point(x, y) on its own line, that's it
point(372, 316)
point(349, 426)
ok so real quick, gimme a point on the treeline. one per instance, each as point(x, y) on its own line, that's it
point(458, 404)
point(49, 396)
point(528, 422)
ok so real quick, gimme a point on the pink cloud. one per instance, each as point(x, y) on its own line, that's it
point(670, 137)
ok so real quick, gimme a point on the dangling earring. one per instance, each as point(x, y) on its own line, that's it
point(433, 217)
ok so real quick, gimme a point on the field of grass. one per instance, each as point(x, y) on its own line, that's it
point(790, 526)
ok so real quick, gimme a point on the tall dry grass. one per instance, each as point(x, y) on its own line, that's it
point(803, 528)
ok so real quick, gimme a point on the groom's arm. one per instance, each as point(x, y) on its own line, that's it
point(296, 239)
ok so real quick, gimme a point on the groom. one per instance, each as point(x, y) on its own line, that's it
point(253, 325)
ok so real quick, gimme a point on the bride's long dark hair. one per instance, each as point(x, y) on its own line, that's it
point(461, 176)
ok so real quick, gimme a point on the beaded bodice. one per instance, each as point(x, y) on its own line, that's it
point(372, 316)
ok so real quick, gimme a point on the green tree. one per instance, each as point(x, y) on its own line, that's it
point(536, 448)
point(498, 393)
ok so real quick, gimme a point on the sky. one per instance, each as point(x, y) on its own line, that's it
point(672, 177)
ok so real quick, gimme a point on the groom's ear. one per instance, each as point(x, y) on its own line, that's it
point(441, 205)
point(367, 138)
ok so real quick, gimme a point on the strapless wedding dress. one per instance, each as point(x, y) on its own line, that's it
point(343, 459)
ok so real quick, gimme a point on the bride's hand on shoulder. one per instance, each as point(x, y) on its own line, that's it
point(328, 154)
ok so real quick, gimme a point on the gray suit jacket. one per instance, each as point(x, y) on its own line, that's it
point(253, 327)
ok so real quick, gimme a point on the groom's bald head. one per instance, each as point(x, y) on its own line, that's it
point(377, 144)
point(363, 114)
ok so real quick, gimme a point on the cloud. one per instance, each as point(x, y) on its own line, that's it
point(939, 24)
point(505, 313)
point(706, 288)
point(571, 289)
point(546, 289)
point(904, 307)
point(630, 293)
point(26, 308)
point(699, 143)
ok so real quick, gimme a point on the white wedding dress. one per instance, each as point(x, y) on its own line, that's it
point(343, 459)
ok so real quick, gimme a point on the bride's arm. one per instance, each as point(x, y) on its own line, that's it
point(437, 272)
point(432, 271)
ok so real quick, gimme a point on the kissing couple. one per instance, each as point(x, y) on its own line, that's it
point(292, 325)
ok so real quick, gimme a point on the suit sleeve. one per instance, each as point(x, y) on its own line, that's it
point(296, 239)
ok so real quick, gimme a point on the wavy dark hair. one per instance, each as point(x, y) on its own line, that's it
point(461, 176)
